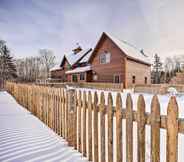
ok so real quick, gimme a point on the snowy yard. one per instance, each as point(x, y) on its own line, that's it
point(23, 137)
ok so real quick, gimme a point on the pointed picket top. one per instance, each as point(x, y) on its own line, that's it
point(110, 103)
point(89, 97)
point(95, 98)
point(155, 109)
point(84, 97)
point(79, 99)
point(173, 107)
point(172, 130)
point(118, 102)
point(102, 102)
point(129, 103)
point(141, 103)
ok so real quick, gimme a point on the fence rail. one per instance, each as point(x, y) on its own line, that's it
point(83, 118)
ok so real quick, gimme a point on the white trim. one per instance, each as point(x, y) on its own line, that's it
point(79, 70)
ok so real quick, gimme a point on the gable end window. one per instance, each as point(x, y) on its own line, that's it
point(105, 58)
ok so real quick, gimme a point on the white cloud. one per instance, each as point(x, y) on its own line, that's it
point(157, 26)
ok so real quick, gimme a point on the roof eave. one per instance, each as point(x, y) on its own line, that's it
point(137, 60)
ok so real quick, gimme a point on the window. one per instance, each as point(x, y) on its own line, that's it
point(145, 80)
point(105, 58)
point(74, 78)
point(133, 79)
point(82, 76)
point(116, 78)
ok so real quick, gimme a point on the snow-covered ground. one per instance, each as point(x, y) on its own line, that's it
point(23, 137)
point(163, 99)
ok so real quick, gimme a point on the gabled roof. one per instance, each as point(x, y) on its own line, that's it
point(73, 58)
point(129, 50)
point(86, 57)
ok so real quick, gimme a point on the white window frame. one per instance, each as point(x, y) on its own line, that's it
point(106, 57)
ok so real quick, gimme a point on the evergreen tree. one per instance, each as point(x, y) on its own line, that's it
point(157, 68)
point(7, 64)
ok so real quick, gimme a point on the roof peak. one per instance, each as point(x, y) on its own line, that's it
point(129, 49)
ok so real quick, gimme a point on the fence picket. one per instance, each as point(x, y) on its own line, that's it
point(79, 107)
point(102, 127)
point(155, 130)
point(129, 129)
point(172, 131)
point(89, 126)
point(84, 105)
point(95, 128)
point(141, 128)
point(118, 127)
point(110, 112)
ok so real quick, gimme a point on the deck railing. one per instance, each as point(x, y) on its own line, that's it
point(94, 127)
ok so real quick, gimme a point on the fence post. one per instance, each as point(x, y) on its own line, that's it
point(110, 112)
point(129, 129)
point(141, 128)
point(71, 117)
point(172, 131)
point(155, 130)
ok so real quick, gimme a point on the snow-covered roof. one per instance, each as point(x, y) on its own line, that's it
point(79, 69)
point(86, 58)
point(56, 67)
point(130, 50)
point(72, 58)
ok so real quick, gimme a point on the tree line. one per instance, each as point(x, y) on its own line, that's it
point(164, 71)
point(25, 69)
point(30, 69)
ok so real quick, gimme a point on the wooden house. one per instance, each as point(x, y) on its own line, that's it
point(116, 61)
point(111, 61)
point(67, 71)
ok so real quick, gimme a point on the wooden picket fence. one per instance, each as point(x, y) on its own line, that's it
point(82, 118)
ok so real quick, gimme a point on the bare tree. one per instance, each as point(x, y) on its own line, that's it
point(48, 60)
point(29, 69)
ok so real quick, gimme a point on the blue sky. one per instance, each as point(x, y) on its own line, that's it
point(28, 25)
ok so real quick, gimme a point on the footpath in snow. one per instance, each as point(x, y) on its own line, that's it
point(23, 137)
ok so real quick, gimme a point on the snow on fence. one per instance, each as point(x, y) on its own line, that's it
point(87, 123)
